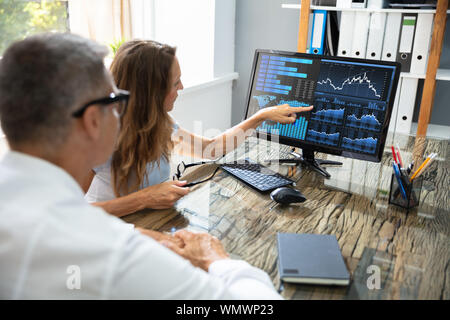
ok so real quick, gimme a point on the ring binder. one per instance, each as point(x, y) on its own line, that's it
point(421, 43)
point(318, 31)
point(406, 40)
point(376, 35)
point(391, 36)
point(360, 33)
point(346, 28)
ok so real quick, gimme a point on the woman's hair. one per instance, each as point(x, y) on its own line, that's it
point(143, 68)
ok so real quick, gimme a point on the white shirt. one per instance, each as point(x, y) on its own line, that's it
point(50, 236)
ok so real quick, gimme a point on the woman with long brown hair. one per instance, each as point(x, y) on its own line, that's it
point(136, 175)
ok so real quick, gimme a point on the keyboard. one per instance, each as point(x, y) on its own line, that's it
point(257, 176)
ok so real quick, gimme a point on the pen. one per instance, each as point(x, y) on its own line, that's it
point(421, 167)
point(432, 156)
point(393, 154)
point(399, 158)
point(410, 167)
point(403, 173)
point(399, 180)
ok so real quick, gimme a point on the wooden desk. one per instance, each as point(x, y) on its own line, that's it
point(411, 249)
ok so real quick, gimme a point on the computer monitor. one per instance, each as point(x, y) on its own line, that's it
point(352, 99)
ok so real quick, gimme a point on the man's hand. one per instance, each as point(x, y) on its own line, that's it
point(201, 249)
point(160, 237)
point(163, 195)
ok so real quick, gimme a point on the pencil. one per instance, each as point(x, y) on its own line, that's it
point(426, 165)
point(420, 168)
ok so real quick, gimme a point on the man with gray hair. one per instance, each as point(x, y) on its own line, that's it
point(59, 109)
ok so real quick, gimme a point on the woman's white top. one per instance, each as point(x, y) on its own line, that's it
point(101, 188)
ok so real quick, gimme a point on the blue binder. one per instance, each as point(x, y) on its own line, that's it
point(318, 31)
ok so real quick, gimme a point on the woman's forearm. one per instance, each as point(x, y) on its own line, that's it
point(159, 196)
point(232, 138)
point(189, 143)
point(122, 206)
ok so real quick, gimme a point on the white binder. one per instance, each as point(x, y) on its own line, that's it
point(358, 176)
point(391, 35)
point(376, 35)
point(393, 119)
point(372, 179)
point(406, 104)
point(360, 33)
point(340, 178)
point(343, 3)
point(385, 178)
point(376, 4)
point(345, 33)
point(359, 3)
point(422, 40)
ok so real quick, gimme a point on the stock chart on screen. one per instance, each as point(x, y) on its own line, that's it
point(350, 99)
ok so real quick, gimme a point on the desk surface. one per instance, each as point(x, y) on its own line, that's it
point(411, 249)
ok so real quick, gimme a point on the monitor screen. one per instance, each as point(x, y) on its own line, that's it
point(352, 99)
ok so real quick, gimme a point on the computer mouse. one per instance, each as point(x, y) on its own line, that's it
point(287, 195)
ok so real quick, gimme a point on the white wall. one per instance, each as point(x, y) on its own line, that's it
point(142, 26)
point(260, 24)
point(189, 26)
point(206, 108)
point(225, 14)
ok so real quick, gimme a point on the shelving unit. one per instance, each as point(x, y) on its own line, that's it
point(385, 10)
point(441, 74)
point(432, 73)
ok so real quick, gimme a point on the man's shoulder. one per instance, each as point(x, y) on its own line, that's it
point(27, 202)
point(48, 244)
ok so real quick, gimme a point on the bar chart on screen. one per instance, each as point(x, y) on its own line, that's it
point(286, 76)
point(296, 130)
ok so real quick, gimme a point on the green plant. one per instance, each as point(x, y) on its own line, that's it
point(115, 45)
point(19, 19)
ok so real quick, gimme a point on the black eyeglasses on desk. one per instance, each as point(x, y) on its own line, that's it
point(181, 168)
point(121, 98)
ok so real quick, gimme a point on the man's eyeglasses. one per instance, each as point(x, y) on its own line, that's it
point(120, 98)
point(181, 168)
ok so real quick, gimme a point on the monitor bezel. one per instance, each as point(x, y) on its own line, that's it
point(304, 144)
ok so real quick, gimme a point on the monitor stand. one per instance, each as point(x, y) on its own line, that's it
point(307, 159)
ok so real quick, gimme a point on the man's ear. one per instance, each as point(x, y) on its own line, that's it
point(92, 122)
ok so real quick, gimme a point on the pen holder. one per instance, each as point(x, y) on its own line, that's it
point(412, 190)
